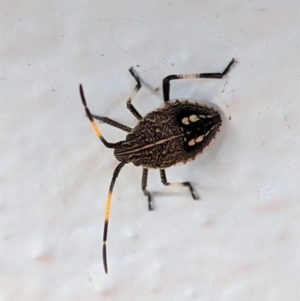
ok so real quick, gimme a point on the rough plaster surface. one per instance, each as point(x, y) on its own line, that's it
point(239, 242)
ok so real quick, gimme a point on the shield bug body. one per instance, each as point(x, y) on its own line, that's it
point(175, 133)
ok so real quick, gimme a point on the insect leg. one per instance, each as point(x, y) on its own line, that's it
point(144, 185)
point(166, 80)
point(166, 183)
point(217, 75)
point(138, 86)
point(92, 121)
point(112, 123)
point(107, 210)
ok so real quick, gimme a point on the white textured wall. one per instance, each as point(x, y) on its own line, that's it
point(239, 242)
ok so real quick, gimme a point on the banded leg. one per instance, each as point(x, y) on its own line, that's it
point(112, 123)
point(187, 184)
point(145, 191)
point(138, 86)
point(166, 80)
point(93, 123)
point(107, 211)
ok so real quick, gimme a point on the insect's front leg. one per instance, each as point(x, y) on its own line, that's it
point(138, 86)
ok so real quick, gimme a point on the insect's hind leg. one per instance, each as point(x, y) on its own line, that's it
point(166, 80)
point(163, 178)
point(112, 123)
point(145, 191)
point(138, 86)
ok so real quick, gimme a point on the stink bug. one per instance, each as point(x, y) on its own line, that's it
point(176, 132)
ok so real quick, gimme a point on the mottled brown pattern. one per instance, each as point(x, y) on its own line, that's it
point(158, 140)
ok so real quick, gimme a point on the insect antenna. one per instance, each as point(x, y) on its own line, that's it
point(107, 210)
point(93, 123)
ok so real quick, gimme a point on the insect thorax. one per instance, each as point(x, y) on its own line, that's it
point(175, 133)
